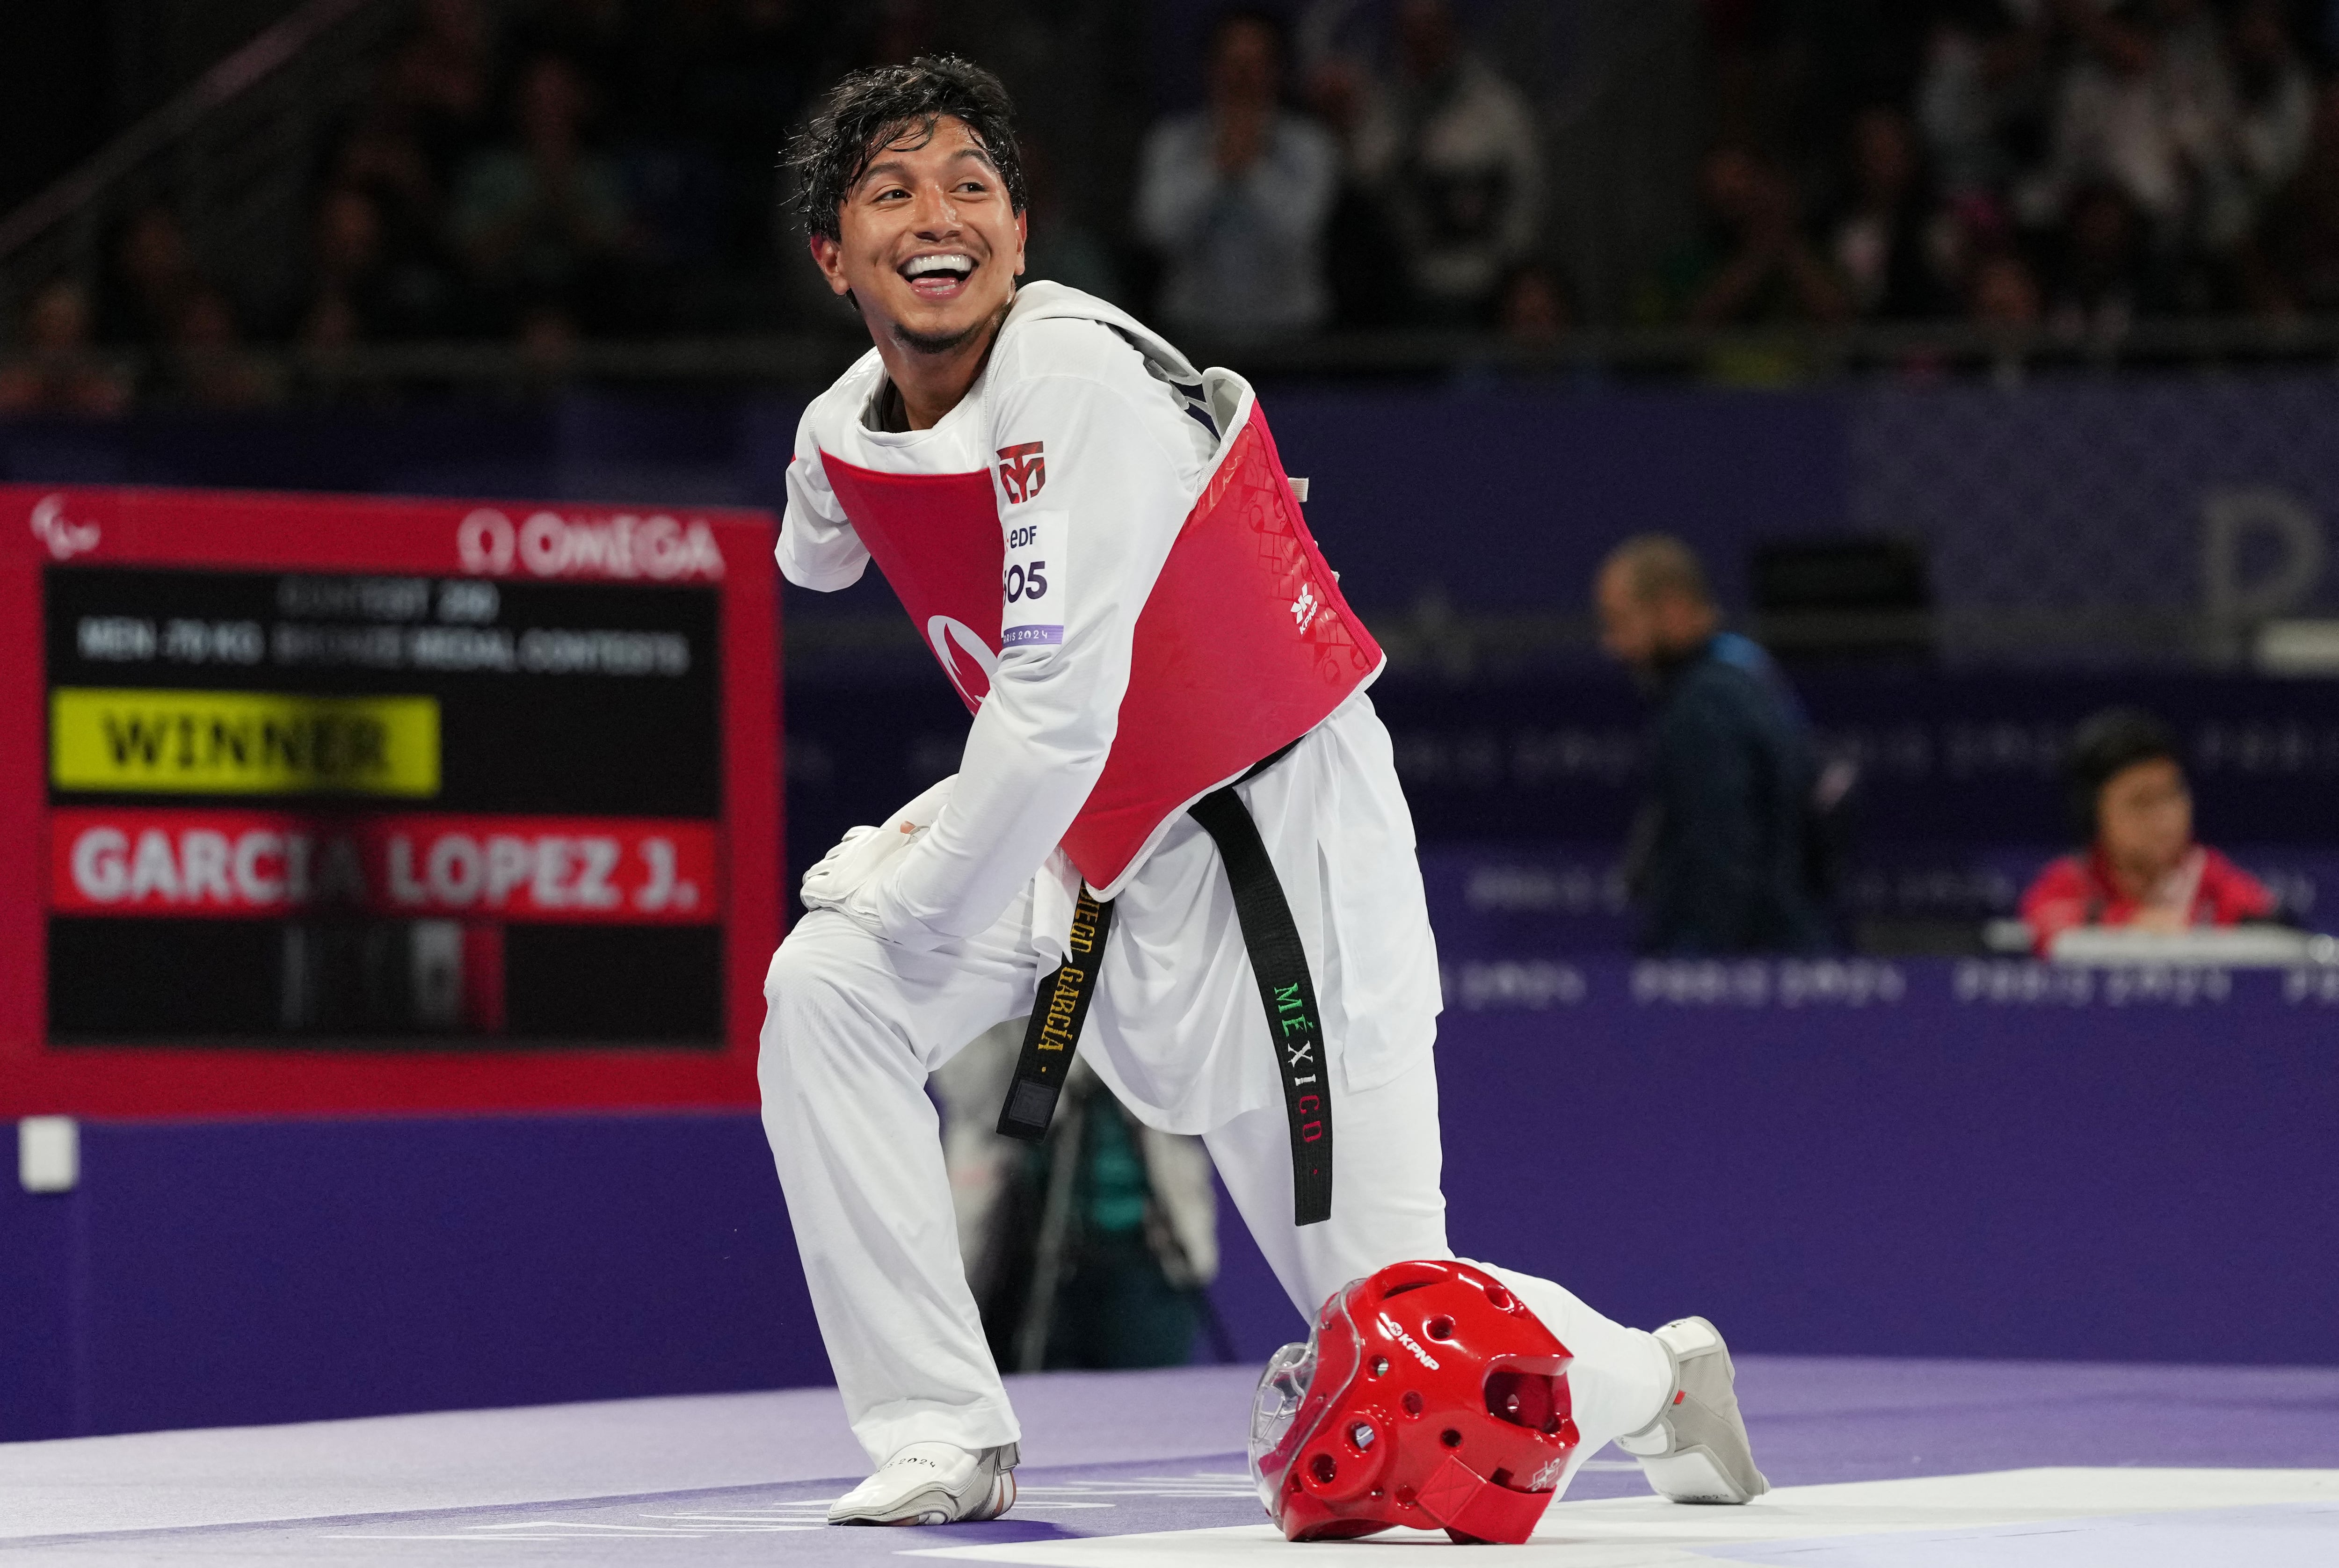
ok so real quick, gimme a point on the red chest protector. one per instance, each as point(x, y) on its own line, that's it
point(1243, 645)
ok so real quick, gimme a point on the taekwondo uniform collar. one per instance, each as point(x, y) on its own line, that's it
point(1041, 302)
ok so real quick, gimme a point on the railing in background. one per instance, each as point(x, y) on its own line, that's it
point(1919, 352)
point(232, 156)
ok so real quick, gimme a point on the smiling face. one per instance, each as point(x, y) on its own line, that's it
point(929, 244)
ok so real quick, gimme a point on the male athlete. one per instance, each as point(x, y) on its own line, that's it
point(1176, 828)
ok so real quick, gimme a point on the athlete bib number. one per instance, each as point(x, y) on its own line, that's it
point(1032, 585)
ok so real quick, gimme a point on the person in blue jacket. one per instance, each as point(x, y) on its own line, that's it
point(1720, 861)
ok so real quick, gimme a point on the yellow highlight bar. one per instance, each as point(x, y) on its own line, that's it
point(243, 743)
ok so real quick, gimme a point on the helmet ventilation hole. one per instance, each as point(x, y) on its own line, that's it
point(1451, 1438)
point(1439, 1328)
point(1412, 1403)
point(1380, 1367)
point(1323, 1469)
point(1361, 1435)
point(1498, 1299)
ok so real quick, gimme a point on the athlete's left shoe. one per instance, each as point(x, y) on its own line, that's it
point(932, 1483)
point(1696, 1450)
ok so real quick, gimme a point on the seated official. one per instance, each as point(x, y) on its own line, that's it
point(2141, 868)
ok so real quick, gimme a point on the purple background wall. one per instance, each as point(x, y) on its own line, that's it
point(1953, 766)
point(1991, 1158)
point(223, 1272)
point(1500, 495)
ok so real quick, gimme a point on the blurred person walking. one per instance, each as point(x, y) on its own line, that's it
point(1236, 197)
point(1720, 856)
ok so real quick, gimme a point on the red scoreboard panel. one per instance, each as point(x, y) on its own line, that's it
point(324, 804)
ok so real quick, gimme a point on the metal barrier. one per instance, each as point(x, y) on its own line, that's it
point(232, 156)
point(1917, 354)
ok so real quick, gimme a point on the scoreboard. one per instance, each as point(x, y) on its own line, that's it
point(319, 804)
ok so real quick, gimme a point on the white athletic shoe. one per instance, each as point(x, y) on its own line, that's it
point(932, 1483)
point(1696, 1450)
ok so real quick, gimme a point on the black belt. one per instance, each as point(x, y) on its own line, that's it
point(1279, 964)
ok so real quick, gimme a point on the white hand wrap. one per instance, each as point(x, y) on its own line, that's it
point(847, 877)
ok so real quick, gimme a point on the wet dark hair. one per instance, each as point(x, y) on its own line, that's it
point(889, 105)
point(2105, 745)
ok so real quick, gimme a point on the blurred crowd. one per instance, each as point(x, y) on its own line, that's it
point(539, 171)
point(533, 172)
point(2065, 164)
point(2078, 163)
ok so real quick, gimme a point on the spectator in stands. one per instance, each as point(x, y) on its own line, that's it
point(2298, 249)
point(2274, 93)
point(1722, 855)
point(2146, 109)
point(1886, 246)
point(207, 366)
point(1534, 309)
point(2103, 275)
point(1456, 154)
point(1059, 247)
point(1753, 266)
point(598, 38)
point(348, 304)
point(59, 371)
point(154, 276)
point(2141, 868)
point(388, 167)
point(1361, 235)
point(736, 93)
point(1983, 91)
point(2003, 292)
point(543, 220)
point(1236, 197)
point(2269, 121)
point(435, 90)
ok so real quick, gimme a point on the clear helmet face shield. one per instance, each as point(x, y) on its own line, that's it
point(1301, 1386)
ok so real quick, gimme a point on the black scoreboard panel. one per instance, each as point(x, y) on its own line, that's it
point(553, 698)
point(353, 810)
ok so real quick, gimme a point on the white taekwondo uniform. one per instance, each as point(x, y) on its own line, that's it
point(956, 933)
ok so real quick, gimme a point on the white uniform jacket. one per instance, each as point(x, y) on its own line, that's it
point(1177, 1029)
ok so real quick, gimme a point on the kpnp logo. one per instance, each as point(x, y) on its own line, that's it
point(63, 538)
point(549, 545)
point(1023, 471)
point(1395, 1330)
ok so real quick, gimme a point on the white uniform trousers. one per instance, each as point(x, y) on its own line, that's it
point(854, 1026)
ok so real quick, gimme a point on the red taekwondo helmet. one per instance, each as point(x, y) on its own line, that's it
point(1428, 1396)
